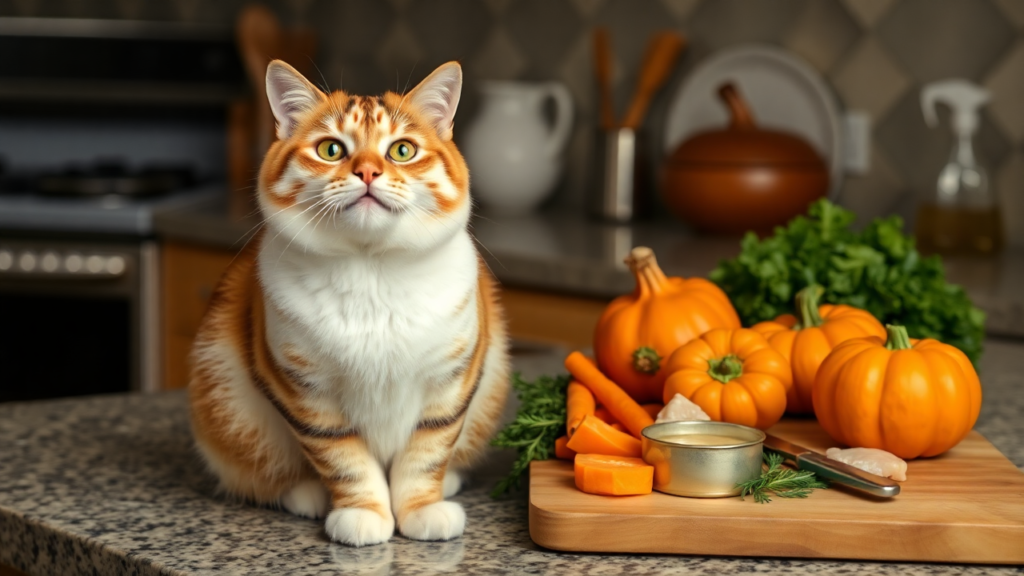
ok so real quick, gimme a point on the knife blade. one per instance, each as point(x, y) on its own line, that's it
point(832, 469)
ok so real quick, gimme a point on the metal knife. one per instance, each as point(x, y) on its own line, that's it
point(833, 469)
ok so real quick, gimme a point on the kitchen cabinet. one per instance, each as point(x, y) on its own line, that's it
point(190, 274)
point(551, 318)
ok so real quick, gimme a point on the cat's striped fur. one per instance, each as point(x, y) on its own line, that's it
point(354, 359)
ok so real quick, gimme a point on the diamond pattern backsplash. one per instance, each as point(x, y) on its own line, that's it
point(876, 54)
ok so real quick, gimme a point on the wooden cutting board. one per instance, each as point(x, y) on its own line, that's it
point(964, 506)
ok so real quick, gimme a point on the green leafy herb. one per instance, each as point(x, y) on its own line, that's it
point(877, 269)
point(539, 421)
point(781, 481)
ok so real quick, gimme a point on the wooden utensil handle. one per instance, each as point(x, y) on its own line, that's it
point(603, 72)
point(661, 55)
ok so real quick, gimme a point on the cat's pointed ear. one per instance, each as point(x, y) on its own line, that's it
point(437, 97)
point(290, 96)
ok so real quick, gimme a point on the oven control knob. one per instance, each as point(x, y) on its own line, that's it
point(73, 263)
point(27, 262)
point(50, 262)
point(115, 265)
point(94, 264)
point(6, 260)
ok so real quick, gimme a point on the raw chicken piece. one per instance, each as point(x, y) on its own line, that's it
point(679, 409)
point(873, 460)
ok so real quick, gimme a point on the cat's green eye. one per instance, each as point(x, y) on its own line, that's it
point(330, 150)
point(402, 151)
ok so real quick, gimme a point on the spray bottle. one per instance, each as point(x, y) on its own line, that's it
point(962, 216)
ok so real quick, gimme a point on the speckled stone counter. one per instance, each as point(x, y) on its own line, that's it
point(110, 485)
point(570, 254)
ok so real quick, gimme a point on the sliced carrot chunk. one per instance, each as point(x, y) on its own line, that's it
point(619, 427)
point(593, 436)
point(562, 452)
point(613, 475)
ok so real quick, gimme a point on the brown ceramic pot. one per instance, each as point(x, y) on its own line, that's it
point(742, 178)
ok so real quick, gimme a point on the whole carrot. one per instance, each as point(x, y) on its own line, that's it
point(579, 403)
point(610, 395)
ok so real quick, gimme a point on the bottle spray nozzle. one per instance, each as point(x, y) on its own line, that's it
point(963, 97)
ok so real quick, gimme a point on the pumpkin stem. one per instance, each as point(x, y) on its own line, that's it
point(898, 338)
point(649, 277)
point(807, 307)
point(646, 360)
point(725, 368)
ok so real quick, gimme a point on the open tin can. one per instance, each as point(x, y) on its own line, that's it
point(702, 459)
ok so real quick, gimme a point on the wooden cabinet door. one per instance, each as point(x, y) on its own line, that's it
point(190, 274)
point(552, 318)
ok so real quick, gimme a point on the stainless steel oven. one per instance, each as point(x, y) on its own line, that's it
point(103, 123)
point(77, 317)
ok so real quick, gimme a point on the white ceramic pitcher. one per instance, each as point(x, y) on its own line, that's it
point(514, 157)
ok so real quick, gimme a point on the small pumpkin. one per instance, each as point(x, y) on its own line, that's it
point(910, 397)
point(734, 375)
point(637, 331)
point(807, 338)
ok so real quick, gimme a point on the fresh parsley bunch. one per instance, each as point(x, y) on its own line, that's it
point(877, 269)
point(539, 421)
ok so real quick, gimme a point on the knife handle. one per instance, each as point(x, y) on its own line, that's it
point(847, 475)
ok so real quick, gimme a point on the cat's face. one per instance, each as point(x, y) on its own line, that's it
point(364, 173)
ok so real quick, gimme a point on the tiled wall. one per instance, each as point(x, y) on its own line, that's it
point(876, 54)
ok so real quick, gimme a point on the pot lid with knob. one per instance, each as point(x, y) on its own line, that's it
point(743, 143)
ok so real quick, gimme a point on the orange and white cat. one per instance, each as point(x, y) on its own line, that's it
point(354, 357)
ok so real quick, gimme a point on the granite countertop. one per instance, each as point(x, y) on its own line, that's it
point(111, 485)
point(570, 254)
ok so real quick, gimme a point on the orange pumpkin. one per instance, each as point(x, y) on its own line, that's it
point(734, 375)
point(911, 398)
point(637, 331)
point(805, 340)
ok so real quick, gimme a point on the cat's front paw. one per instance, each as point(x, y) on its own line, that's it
point(438, 521)
point(358, 526)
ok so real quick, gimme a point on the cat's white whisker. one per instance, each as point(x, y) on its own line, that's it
point(259, 225)
point(287, 224)
point(326, 205)
point(322, 213)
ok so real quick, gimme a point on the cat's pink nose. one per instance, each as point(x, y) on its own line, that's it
point(367, 171)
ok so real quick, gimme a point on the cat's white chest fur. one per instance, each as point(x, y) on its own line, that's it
point(375, 330)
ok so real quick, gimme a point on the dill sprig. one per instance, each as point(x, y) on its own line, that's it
point(539, 421)
point(781, 481)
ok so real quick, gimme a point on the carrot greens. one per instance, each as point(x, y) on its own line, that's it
point(539, 421)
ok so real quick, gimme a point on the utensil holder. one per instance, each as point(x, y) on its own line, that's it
point(620, 190)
